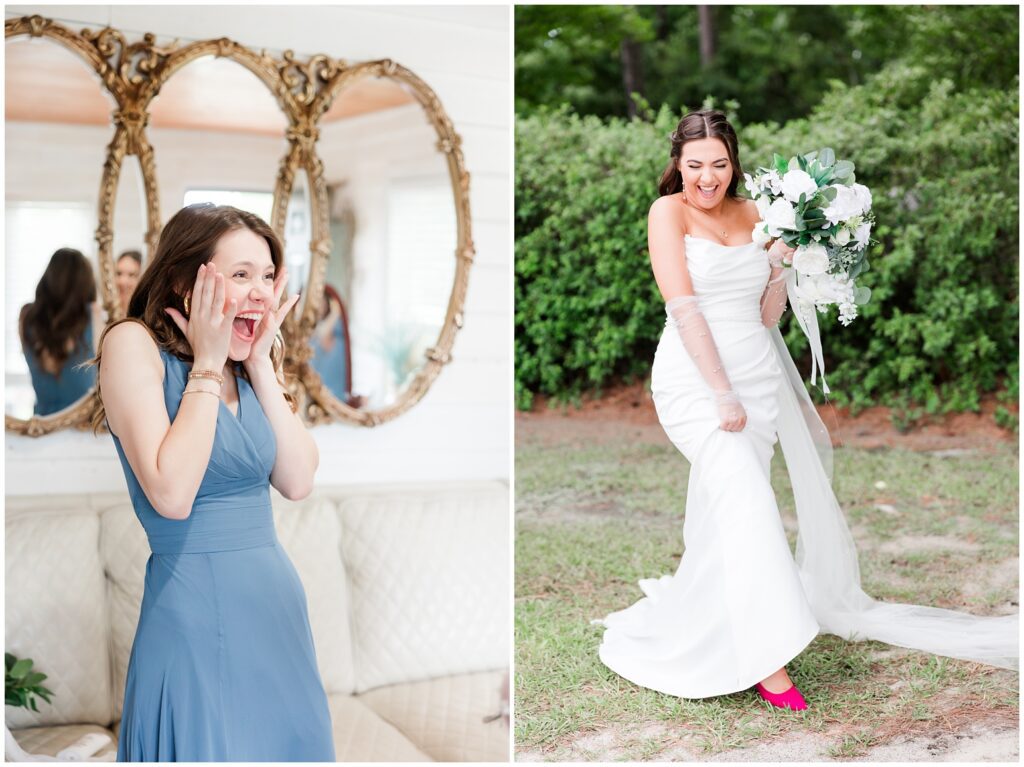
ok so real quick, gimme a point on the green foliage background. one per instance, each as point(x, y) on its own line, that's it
point(940, 155)
point(774, 60)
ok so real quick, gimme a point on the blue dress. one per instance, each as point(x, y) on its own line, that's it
point(222, 667)
point(56, 392)
point(332, 365)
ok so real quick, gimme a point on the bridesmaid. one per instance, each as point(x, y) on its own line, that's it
point(223, 666)
point(58, 329)
point(126, 276)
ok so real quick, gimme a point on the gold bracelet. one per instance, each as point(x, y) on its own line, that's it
point(200, 391)
point(212, 375)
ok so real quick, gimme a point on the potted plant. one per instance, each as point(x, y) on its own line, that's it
point(22, 684)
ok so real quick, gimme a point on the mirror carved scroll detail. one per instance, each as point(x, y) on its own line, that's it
point(132, 74)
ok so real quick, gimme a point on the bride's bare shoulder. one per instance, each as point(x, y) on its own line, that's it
point(750, 211)
point(669, 210)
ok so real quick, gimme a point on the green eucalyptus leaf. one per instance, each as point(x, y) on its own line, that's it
point(861, 295)
point(827, 157)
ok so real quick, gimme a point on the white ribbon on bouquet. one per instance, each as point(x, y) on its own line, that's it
point(808, 324)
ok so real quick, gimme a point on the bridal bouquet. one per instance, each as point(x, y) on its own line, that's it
point(814, 204)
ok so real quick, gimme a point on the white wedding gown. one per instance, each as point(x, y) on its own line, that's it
point(735, 611)
point(739, 607)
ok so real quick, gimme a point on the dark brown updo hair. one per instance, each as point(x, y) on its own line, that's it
point(703, 123)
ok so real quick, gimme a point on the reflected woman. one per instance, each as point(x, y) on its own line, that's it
point(57, 331)
point(222, 667)
point(126, 276)
point(331, 357)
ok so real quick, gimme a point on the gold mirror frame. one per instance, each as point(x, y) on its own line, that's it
point(123, 71)
point(324, 406)
point(134, 73)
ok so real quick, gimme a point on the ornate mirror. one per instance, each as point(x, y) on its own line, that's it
point(218, 135)
point(389, 291)
point(357, 167)
point(58, 126)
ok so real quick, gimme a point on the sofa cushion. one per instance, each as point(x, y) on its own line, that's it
point(360, 735)
point(310, 533)
point(445, 717)
point(125, 550)
point(428, 574)
point(56, 613)
point(49, 740)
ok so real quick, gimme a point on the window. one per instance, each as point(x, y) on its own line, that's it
point(260, 203)
point(34, 231)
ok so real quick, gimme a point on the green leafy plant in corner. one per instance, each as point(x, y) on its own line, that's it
point(22, 684)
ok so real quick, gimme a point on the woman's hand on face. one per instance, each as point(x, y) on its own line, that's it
point(267, 329)
point(209, 324)
point(780, 253)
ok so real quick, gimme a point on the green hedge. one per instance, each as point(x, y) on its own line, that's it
point(941, 327)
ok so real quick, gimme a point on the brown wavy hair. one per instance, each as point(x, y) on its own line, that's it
point(187, 241)
point(703, 123)
point(51, 327)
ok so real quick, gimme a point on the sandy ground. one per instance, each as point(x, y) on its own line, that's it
point(627, 413)
point(979, 743)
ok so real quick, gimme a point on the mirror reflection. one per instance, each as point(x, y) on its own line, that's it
point(218, 136)
point(298, 233)
point(57, 129)
point(394, 233)
point(128, 246)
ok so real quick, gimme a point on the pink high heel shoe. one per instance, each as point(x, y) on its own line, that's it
point(791, 698)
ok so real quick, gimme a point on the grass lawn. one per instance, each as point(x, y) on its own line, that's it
point(593, 517)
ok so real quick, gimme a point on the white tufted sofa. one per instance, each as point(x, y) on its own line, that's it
point(408, 593)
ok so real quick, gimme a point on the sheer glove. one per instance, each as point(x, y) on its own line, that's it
point(684, 312)
point(773, 299)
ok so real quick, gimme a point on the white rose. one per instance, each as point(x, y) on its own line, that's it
point(763, 203)
point(842, 236)
point(808, 291)
point(862, 234)
point(797, 182)
point(751, 186)
point(759, 235)
point(780, 215)
point(811, 259)
point(844, 206)
point(863, 196)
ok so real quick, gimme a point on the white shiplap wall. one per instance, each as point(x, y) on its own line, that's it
point(462, 427)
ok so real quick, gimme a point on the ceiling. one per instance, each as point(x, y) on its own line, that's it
point(46, 82)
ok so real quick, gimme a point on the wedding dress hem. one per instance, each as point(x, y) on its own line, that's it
point(739, 686)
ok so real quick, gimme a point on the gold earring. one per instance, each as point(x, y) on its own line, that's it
point(188, 305)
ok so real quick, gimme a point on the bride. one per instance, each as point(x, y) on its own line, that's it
point(739, 608)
